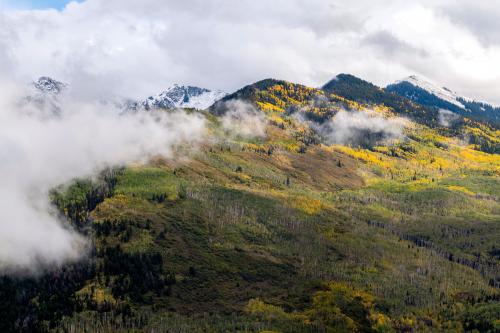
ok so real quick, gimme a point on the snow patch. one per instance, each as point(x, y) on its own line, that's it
point(179, 96)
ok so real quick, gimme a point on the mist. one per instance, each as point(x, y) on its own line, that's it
point(446, 118)
point(39, 152)
point(361, 128)
point(243, 119)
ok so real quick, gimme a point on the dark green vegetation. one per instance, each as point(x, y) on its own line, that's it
point(353, 88)
point(475, 110)
point(283, 234)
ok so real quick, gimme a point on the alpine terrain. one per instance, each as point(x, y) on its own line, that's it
point(345, 208)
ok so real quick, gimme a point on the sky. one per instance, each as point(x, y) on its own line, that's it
point(138, 48)
point(36, 4)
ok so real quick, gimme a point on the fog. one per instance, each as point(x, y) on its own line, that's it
point(447, 118)
point(361, 128)
point(243, 119)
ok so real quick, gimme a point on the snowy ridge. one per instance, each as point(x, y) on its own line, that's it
point(179, 96)
point(44, 95)
point(426, 93)
point(47, 85)
point(443, 93)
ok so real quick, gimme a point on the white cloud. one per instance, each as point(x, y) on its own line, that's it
point(135, 48)
point(447, 118)
point(242, 119)
point(363, 128)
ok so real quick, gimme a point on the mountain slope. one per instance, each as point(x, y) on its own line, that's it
point(283, 233)
point(428, 94)
point(483, 135)
point(353, 88)
point(286, 98)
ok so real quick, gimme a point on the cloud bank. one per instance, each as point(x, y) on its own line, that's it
point(38, 153)
point(133, 48)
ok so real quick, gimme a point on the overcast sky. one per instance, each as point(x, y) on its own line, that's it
point(137, 48)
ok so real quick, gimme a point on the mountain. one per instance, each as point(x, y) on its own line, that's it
point(288, 232)
point(44, 95)
point(353, 88)
point(347, 92)
point(271, 93)
point(47, 85)
point(426, 93)
point(46, 92)
point(179, 96)
point(344, 91)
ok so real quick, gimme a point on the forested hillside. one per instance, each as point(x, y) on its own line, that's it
point(393, 227)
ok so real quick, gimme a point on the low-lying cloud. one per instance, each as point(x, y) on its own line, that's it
point(446, 118)
point(38, 153)
point(361, 128)
point(243, 119)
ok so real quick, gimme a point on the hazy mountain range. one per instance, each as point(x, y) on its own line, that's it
point(411, 89)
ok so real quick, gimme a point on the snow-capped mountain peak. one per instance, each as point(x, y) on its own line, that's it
point(43, 96)
point(179, 96)
point(46, 84)
point(441, 92)
point(423, 91)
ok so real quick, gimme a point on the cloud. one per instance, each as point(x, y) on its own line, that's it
point(480, 18)
point(360, 128)
point(243, 119)
point(38, 153)
point(132, 48)
point(391, 46)
point(447, 118)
